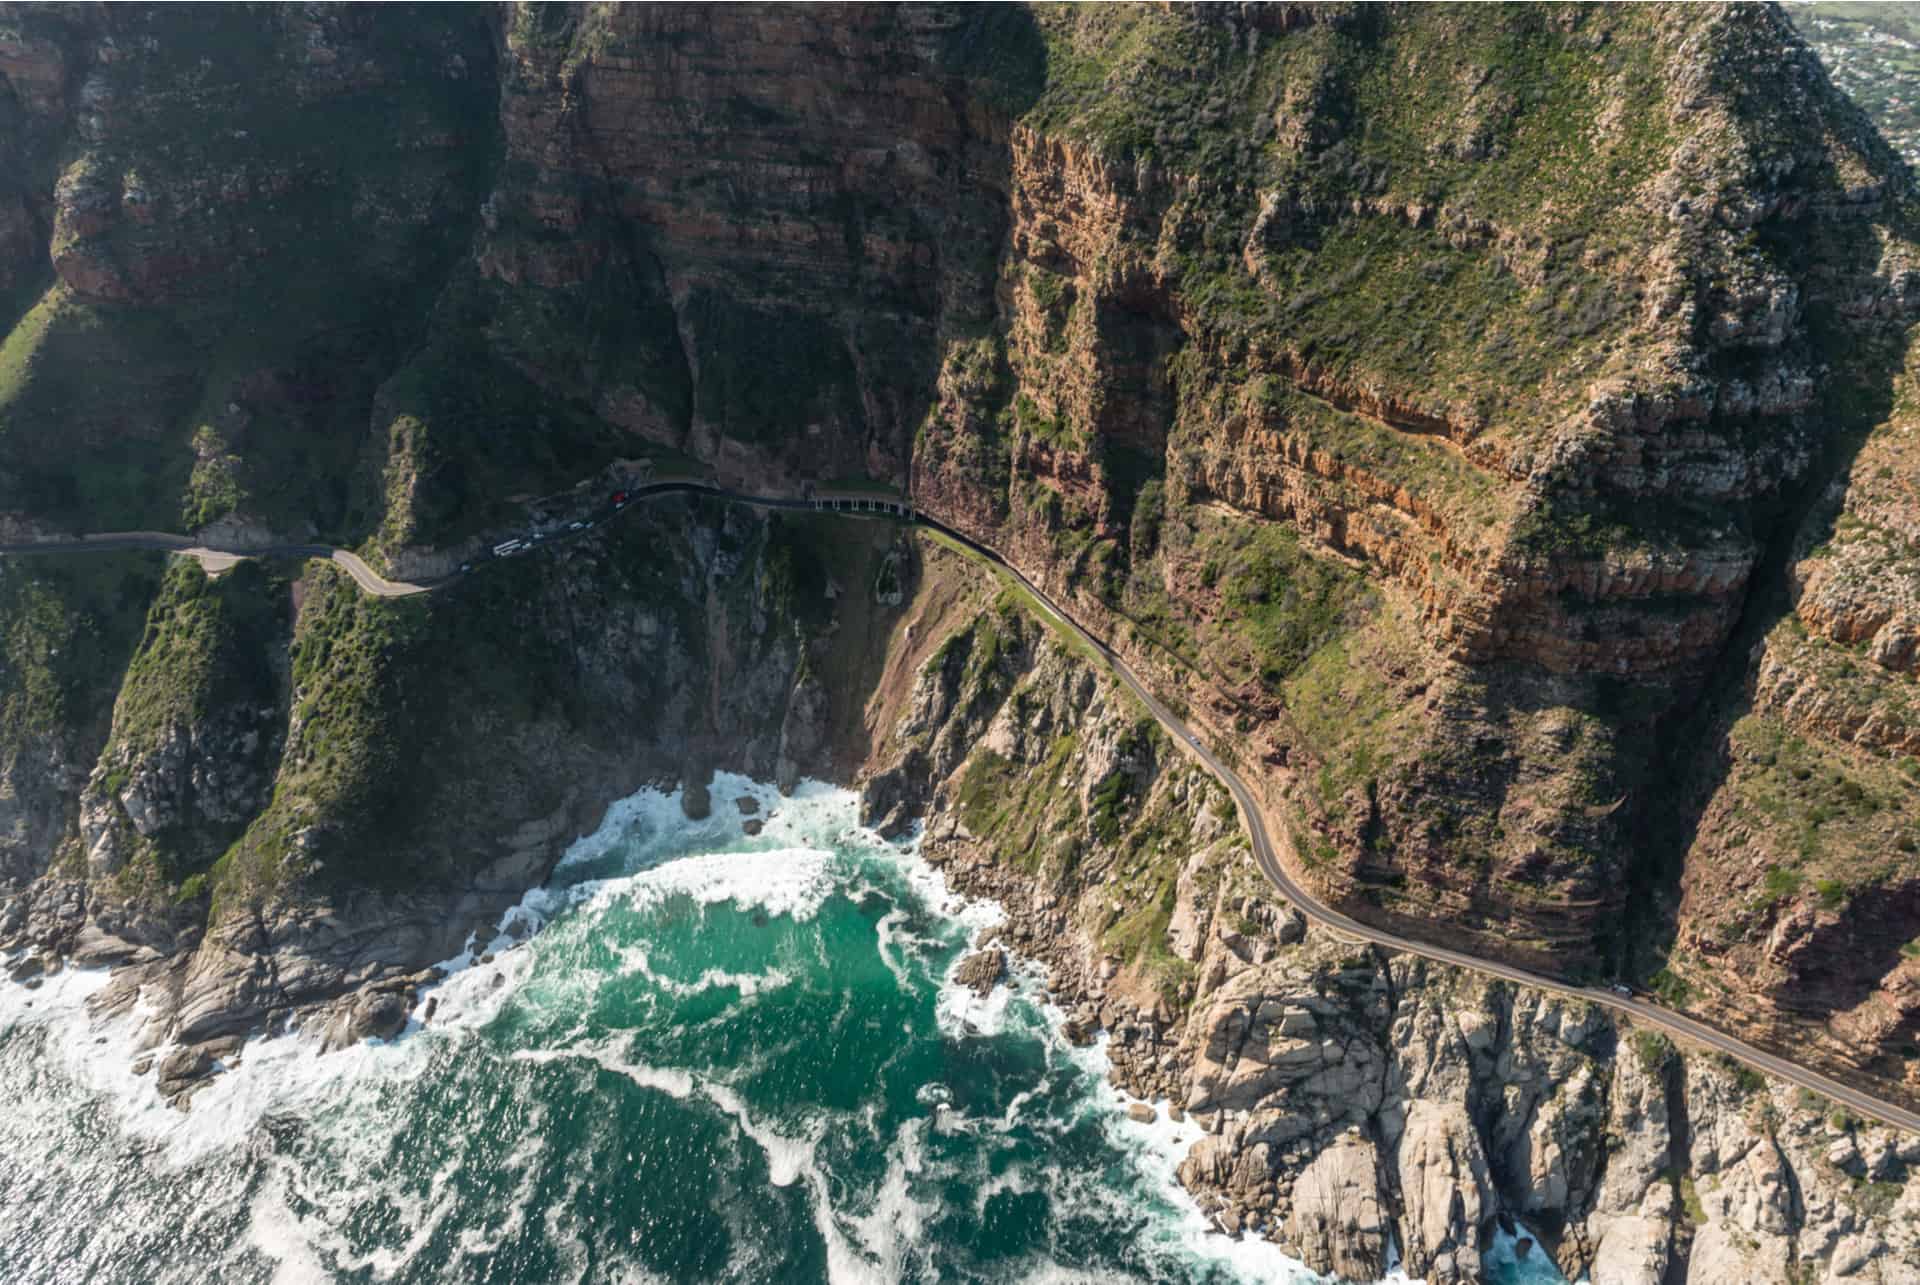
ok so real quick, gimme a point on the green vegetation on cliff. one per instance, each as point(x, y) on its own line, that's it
point(70, 627)
point(207, 643)
point(90, 399)
point(521, 694)
point(1491, 115)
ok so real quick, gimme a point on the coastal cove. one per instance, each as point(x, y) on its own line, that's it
point(960, 642)
point(694, 1053)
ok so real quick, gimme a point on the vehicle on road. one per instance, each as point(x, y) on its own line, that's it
point(620, 499)
point(576, 526)
point(507, 548)
point(1624, 991)
point(465, 567)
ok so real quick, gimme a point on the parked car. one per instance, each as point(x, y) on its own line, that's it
point(619, 499)
point(577, 526)
point(465, 567)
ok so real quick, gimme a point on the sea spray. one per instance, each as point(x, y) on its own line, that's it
point(695, 1055)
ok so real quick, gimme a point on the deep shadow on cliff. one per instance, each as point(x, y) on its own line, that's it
point(1442, 404)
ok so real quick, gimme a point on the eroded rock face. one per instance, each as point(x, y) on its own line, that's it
point(1336, 1220)
point(1524, 419)
point(789, 327)
point(711, 665)
point(1446, 1191)
point(133, 222)
point(1348, 1095)
point(981, 971)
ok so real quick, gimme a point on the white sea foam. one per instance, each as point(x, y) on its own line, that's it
point(897, 1220)
point(1049, 1273)
point(1537, 1268)
point(311, 1248)
point(1013, 1180)
point(524, 1161)
point(52, 1001)
point(98, 1054)
point(1019, 998)
point(962, 1012)
point(790, 1159)
point(286, 1074)
point(890, 940)
point(1158, 1146)
point(669, 1080)
point(278, 1234)
point(636, 961)
point(644, 853)
point(561, 1222)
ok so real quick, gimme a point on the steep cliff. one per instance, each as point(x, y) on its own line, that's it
point(305, 796)
point(1486, 421)
point(1522, 318)
point(1353, 1099)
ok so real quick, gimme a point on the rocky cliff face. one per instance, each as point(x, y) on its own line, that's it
point(1487, 421)
point(307, 797)
point(1354, 1099)
point(1368, 324)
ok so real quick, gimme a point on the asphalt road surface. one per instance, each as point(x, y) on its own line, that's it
point(218, 558)
point(1265, 855)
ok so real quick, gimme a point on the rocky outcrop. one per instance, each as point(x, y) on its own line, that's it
point(981, 971)
point(1425, 397)
point(1349, 1097)
point(341, 878)
point(1336, 1220)
point(1447, 1193)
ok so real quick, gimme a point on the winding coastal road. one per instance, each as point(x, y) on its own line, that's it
point(218, 558)
point(1266, 856)
point(1268, 859)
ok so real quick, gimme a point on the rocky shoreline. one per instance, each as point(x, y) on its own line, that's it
point(1352, 1099)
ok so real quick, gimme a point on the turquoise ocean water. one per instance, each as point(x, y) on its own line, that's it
point(695, 1056)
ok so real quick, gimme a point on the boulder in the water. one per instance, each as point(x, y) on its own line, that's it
point(747, 804)
point(753, 826)
point(981, 971)
point(696, 801)
point(1140, 1113)
point(370, 1015)
point(182, 1069)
